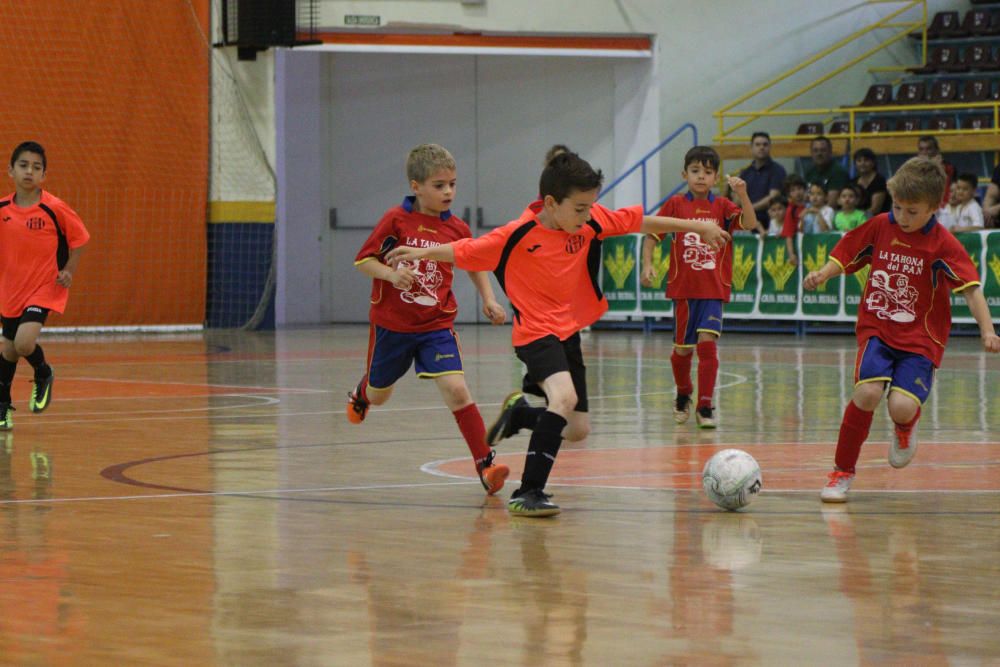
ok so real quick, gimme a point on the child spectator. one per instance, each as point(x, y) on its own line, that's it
point(795, 188)
point(413, 308)
point(849, 216)
point(904, 317)
point(963, 213)
point(817, 216)
point(699, 280)
point(776, 213)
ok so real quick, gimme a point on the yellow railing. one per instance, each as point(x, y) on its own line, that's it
point(903, 28)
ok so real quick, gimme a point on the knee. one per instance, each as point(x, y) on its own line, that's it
point(576, 432)
point(563, 404)
point(902, 408)
point(867, 396)
point(24, 349)
point(457, 397)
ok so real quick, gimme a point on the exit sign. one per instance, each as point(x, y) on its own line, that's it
point(362, 19)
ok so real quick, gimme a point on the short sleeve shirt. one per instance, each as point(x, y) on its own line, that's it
point(29, 247)
point(698, 271)
point(877, 185)
point(906, 299)
point(551, 277)
point(429, 304)
point(834, 177)
point(792, 214)
point(761, 180)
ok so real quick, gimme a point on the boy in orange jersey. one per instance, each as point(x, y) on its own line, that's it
point(700, 278)
point(905, 314)
point(547, 262)
point(413, 308)
point(41, 240)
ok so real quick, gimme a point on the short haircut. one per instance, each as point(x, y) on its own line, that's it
point(918, 180)
point(929, 139)
point(865, 153)
point(821, 186)
point(793, 180)
point(780, 200)
point(853, 187)
point(29, 147)
point(427, 159)
point(969, 178)
point(825, 140)
point(705, 155)
point(760, 134)
point(567, 173)
point(556, 149)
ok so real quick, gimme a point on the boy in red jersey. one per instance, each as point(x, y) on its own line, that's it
point(700, 278)
point(547, 262)
point(41, 240)
point(413, 307)
point(905, 315)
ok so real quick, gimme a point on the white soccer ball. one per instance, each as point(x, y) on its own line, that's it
point(731, 479)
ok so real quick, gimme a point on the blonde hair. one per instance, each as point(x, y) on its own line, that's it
point(426, 159)
point(918, 180)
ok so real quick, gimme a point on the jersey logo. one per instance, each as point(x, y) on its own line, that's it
point(902, 243)
point(920, 383)
point(35, 223)
point(6, 218)
point(892, 297)
point(439, 356)
point(699, 256)
point(574, 243)
point(421, 228)
point(535, 247)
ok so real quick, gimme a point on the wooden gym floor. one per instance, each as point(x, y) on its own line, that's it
point(202, 500)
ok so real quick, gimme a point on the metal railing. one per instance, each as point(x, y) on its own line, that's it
point(641, 166)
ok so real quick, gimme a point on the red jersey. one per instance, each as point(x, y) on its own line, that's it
point(429, 304)
point(792, 214)
point(697, 271)
point(34, 244)
point(550, 276)
point(905, 301)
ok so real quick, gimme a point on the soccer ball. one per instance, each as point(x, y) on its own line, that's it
point(731, 479)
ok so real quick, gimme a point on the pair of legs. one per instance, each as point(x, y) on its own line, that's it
point(909, 377)
point(697, 327)
point(20, 339)
point(436, 355)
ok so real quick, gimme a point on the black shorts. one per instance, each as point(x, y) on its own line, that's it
point(30, 314)
point(548, 356)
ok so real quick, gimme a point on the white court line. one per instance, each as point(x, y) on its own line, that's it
point(201, 384)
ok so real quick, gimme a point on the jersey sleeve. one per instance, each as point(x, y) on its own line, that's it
point(731, 214)
point(623, 221)
point(855, 248)
point(482, 253)
point(74, 229)
point(791, 224)
point(382, 239)
point(956, 265)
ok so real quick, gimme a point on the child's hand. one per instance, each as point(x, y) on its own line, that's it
point(64, 278)
point(991, 343)
point(402, 254)
point(813, 280)
point(647, 276)
point(402, 277)
point(793, 260)
point(713, 235)
point(738, 185)
point(494, 312)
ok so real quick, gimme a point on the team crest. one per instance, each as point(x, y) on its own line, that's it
point(574, 243)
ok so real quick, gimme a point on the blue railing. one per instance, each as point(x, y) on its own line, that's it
point(641, 165)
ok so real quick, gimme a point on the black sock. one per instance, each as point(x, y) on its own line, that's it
point(37, 361)
point(525, 417)
point(7, 370)
point(542, 450)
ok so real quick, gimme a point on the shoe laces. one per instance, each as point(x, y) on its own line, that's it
point(681, 403)
point(837, 475)
point(903, 435)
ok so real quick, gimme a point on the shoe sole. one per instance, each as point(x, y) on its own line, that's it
point(705, 426)
point(833, 500)
point(499, 424)
point(681, 417)
point(494, 481)
point(535, 513)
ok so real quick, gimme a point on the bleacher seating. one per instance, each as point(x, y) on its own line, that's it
point(976, 90)
point(944, 58)
point(875, 125)
point(909, 124)
point(977, 122)
point(810, 128)
point(978, 23)
point(937, 123)
point(943, 91)
point(945, 24)
point(879, 94)
point(911, 93)
point(981, 57)
point(840, 127)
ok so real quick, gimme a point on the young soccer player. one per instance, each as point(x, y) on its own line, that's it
point(547, 262)
point(413, 308)
point(905, 315)
point(41, 240)
point(700, 278)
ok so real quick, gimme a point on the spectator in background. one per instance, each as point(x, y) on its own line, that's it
point(963, 213)
point(825, 171)
point(870, 183)
point(764, 177)
point(817, 216)
point(991, 202)
point(795, 188)
point(776, 213)
point(927, 146)
point(849, 216)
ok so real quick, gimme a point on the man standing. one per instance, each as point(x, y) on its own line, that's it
point(825, 171)
point(764, 177)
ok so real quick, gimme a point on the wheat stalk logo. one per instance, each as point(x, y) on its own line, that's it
point(620, 266)
point(779, 270)
point(975, 261)
point(816, 262)
point(743, 264)
point(861, 275)
point(995, 267)
point(661, 265)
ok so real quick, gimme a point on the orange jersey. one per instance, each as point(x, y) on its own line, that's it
point(550, 276)
point(29, 245)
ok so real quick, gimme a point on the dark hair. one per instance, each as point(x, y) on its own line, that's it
point(779, 199)
point(866, 153)
point(28, 147)
point(705, 155)
point(557, 149)
point(820, 185)
point(568, 172)
point(929, 139)
point(760, 134)
point(824, 139)
point(792, 180)
point(855, 188)
point(969, 178)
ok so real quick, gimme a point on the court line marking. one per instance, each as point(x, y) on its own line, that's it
point(208, 385)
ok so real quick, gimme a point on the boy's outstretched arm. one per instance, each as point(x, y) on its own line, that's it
point(981, 311)
point(440, 253)
point(708, 230)
point(401, 277)
point(749, 218)
point(816, 278)
point(492, 309)
point(648, 273)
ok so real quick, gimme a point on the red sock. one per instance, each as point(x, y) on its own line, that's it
point(681, 363)
point(708, 370)
point(470, 423)
point(908, 426)
point(853, 433)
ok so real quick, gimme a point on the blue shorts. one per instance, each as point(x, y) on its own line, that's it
point(906, 372)
point(390, 354)
point(693, 316)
